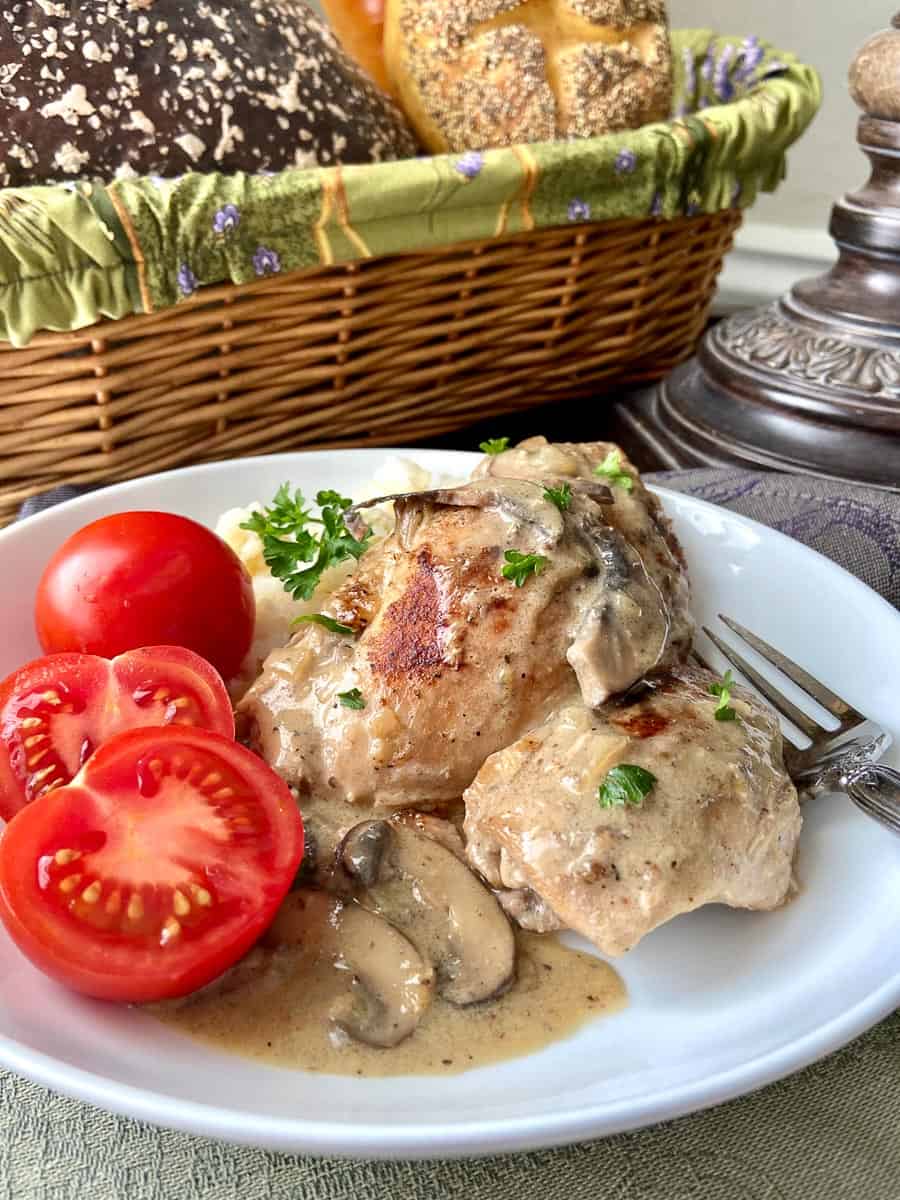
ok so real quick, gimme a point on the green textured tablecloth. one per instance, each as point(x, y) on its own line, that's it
point(828, 1133)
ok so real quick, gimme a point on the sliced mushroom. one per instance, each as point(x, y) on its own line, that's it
point(620, 637)
point(383, 986)
point(521, 500)
point(442, 907)
point(445, 830)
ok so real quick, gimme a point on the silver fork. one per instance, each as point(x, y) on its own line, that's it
point(841, 759)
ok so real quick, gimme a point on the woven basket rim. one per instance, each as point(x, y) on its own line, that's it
point(144, 245)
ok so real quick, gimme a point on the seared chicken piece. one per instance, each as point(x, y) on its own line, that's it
point(453, 661)
point(635, 512)
point(719, 825)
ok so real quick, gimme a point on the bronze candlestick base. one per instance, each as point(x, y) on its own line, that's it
point(810, 383)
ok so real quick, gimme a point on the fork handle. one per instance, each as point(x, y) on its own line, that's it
point(875, 790)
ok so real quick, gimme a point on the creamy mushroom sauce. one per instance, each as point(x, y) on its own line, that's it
point(279, 1015)
point(429, 598)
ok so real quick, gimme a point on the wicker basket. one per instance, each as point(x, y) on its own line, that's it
point(389, 350)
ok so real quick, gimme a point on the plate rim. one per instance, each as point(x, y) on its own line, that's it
point(441, 1141)
point(479, 1137)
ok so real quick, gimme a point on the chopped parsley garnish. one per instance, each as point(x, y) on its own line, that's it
point(724, 711)
point(561, 496)
point(325, 622)
point(520, 566)
point(625, 784)
point(297, 554)
point(352, 699)
point(611, 469)
point(494, 446)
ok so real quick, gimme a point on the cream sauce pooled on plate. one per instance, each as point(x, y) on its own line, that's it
point(280, 1015)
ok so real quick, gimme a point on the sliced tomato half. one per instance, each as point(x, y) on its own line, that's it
point(57, 710)
point(155, 870)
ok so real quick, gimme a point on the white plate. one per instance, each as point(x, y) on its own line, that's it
point(721, 1002)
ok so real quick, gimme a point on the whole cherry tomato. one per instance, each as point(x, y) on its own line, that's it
point(147, 579)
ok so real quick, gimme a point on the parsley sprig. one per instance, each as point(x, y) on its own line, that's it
point(611, 469)
point(326, 622)
point(520, 566)
point(561, 496)
point(494, 445)
point(625, 784)
point(294, 552)
point(724, 711)
point(352, 699)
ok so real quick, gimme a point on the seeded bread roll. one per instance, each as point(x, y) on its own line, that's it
point(112, 88)
point(478, 73)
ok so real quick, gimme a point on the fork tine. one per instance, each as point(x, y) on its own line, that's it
point(702, 662)
point(832, 703)
point(775, 698)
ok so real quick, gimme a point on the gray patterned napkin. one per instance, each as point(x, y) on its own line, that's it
point(857, 527)
point(828, 1133)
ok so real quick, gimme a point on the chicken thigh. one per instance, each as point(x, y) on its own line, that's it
point(635, 512)
point(719, 824)
point(450, 658)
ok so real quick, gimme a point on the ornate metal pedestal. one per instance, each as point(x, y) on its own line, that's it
point(810, 383)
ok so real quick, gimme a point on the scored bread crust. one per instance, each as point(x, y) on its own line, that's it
point(478, 73)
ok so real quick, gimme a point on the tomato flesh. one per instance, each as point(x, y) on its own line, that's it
point(146, 579)
point(155, 870)
point(56, 711)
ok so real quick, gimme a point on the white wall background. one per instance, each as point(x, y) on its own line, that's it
point(785, 235)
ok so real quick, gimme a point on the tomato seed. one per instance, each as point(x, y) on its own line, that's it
point(147, 778)
point(201, 895)
point(171, 929)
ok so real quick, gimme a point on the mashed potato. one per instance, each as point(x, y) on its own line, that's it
point(275, 610)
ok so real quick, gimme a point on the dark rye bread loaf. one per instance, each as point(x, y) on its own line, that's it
point(106, 88)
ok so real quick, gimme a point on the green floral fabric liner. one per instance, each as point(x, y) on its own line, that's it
point(72, 253)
